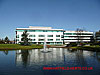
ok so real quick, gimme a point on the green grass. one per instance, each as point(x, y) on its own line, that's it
point(91, 48)
point(17, 46)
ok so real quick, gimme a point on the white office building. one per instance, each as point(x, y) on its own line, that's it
point(40, 34)
point(76, 36)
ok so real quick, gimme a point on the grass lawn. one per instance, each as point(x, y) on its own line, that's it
point(17, 46)
point(91, 48)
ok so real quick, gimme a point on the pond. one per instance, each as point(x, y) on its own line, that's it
point(29, 62)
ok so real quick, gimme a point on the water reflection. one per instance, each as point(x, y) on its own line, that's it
point(28, 62)
point(58, 57)
point(6, 52)
point(98, 56)
point(36, 57)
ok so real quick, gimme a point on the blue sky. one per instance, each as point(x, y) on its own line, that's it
point(64, 14)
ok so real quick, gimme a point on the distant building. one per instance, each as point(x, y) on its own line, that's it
point(97, 36)
point(53, 36)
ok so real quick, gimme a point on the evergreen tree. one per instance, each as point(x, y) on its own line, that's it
point(6, 40)
point(25, 37)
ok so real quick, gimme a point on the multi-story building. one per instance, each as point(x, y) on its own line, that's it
point(77, 36)
point(97, 36)
point(40, 34)
point(53, 36)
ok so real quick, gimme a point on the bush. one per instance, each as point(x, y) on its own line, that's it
point(73, 44)
point(96, 43)
point(22, 43)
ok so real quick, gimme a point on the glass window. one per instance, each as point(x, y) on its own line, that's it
point(66, 36)
point(31, 35)
point(33, 39)
point(62, 39)
point(79, 33)
point(59, 42)
point(61, 35)
point(57, 39)
point(44, 30)
point(51, 43)
point(17, 36)
point(17, 39)
point(50, 39)
point(38, 30)
point(20, 30)
point(74, 34)
point(57, 35)
point(49, 31)
point(41, 39)
point(55, 31)
point(41, 35)
point(67, 33)
point(50, 35)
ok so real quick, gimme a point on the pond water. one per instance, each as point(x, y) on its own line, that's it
point(29, 62)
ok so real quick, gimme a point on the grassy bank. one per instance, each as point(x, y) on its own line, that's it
point(90, 48)
point(17, 47)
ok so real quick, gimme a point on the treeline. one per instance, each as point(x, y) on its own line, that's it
point(6, 40)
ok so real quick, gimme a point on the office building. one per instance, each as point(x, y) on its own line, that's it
point(38, 35)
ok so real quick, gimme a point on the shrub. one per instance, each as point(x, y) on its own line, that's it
point(73, 44)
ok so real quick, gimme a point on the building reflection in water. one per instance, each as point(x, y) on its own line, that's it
point(57, 57)
point(98, 56)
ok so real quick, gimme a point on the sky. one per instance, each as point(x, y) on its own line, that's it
point(62, 14)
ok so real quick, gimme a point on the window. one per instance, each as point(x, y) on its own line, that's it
point(17, 39)
point(50, 35)
point(74, 34)
point(86, 34)
point(41, 39)
point(32, 40)
point(20, 30)
point(53, 31)
point(62, 39)
point(49, 31)
point(66, 36)
point(67, 33)
point(50, 39)
point(62, 36)
point(41, 35)
point(51, 43)
point(57, 35)
point(31, 35)
point(38, 30)
point(59, 43)
point(17, 36)
point(57, 39)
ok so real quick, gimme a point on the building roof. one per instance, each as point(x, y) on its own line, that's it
point(38, 28)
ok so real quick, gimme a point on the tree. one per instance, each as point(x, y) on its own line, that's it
point(6, 40)
point(2, 41)
point(14, 40)
point(79, 37)
point(25, 38)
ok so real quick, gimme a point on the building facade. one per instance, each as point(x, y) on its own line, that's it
point(38, 35)
point(76, 36)
point(97, 36)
